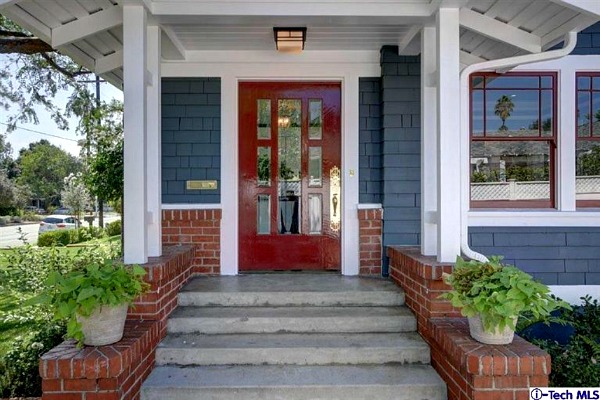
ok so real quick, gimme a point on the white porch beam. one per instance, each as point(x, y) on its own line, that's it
point(134, 154)
point(494, 29)
point(448, 134)
point(589, 7)
point(27, 21)
point(109, 63)
point(410, 45)
point(468, 58)
point(172, 48)
point(87, 26)
point(153, 144)
point(429, 239)
point(286, 8)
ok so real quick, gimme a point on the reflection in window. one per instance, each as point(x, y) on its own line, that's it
point(263, 162)
point(263, 118)
point(315, 113)
point(588, 140)
point(315, 213)
point(510, 170)
point(263, 214)
point(513, 139)
point(289, 121)
point(315, 167)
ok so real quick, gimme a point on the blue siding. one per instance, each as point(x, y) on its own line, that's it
point(554, 255)
point(588, 41)
point(370, 168)
point(191, 138)
point(401, 148)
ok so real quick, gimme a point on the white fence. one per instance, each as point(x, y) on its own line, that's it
point(535, 190)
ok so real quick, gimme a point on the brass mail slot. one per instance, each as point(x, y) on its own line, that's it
point(201, 185)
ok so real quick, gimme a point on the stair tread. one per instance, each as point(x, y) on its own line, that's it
point(194, 341)
point(290, 312)
point(286, 283)
point(265, 376)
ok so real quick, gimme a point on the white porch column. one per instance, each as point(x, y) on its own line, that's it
point(566, 140)
point(134, 154)
point(448, 139)
point(429, 153)
point(153, 145)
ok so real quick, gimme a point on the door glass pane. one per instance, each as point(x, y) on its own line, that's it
point(315, 213)
point(263, 214)
point(263, 166)
point(289, 119)
point(315, 166)
point(315, 113)
point(477, 112)
point(263, 118)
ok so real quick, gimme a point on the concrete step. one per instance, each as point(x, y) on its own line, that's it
point(290, 290)
point(293, 348)
point(223, 320)
point(401, 382)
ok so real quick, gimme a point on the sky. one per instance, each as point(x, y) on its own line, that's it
point(47, 129)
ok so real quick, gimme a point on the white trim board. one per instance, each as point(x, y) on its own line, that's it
point(234, 67)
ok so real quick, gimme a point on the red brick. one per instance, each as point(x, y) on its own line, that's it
point(62, 396)
point(51, 385)
point(79, 385)
point(103, 396)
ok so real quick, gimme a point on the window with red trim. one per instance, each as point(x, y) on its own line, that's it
point(513, 140)
point(588, 140)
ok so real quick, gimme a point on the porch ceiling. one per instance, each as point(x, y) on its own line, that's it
point(90, 31)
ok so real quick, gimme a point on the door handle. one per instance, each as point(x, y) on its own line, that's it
point(335, 199)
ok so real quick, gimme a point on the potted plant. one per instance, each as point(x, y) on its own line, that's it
point(493, 295)
point(94, 299)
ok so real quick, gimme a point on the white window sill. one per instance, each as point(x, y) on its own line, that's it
point(504, 217)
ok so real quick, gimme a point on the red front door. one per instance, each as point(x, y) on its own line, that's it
point(290, 187)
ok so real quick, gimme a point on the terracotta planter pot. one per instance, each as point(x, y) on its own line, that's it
point(104, 326)
point(498, 337)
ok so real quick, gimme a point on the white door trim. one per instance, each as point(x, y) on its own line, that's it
point(344, 67)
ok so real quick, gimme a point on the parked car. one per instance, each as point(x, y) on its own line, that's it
point(62, 211)
point(55, 222)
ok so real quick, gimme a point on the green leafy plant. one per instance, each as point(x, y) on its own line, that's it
point(497, 293)
point(113, 228)
point(83, 290)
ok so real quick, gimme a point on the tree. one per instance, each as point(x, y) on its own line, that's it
point(43, 167)
point(504, 106)
point(12, 196)
point(588, 163)
point(75, 195)
point(35, 74)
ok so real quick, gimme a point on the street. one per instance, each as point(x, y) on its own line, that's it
point(9, 235)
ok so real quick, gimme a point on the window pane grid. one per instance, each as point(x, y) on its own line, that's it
point(513, 139)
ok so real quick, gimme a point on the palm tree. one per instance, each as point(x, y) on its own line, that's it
point(504, 107)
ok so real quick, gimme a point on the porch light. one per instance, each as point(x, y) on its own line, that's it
point(289, 40)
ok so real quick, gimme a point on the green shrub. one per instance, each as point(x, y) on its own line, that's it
point(19, 368)
point(4, 221)
point(85, 234)
point(113, 228)
point(61, 237)
point(16, 219)
point(576, 363)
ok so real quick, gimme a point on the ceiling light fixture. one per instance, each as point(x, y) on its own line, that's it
point(289, 40)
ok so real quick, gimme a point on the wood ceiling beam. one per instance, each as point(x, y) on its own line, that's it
point(87, 26)
point(497, 30)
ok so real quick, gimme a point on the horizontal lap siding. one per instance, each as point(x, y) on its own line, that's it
point(370, 161)
point(191, 138)
point(401, 148)
point(554, 255)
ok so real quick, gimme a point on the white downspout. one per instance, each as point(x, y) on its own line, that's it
point(494, 65)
